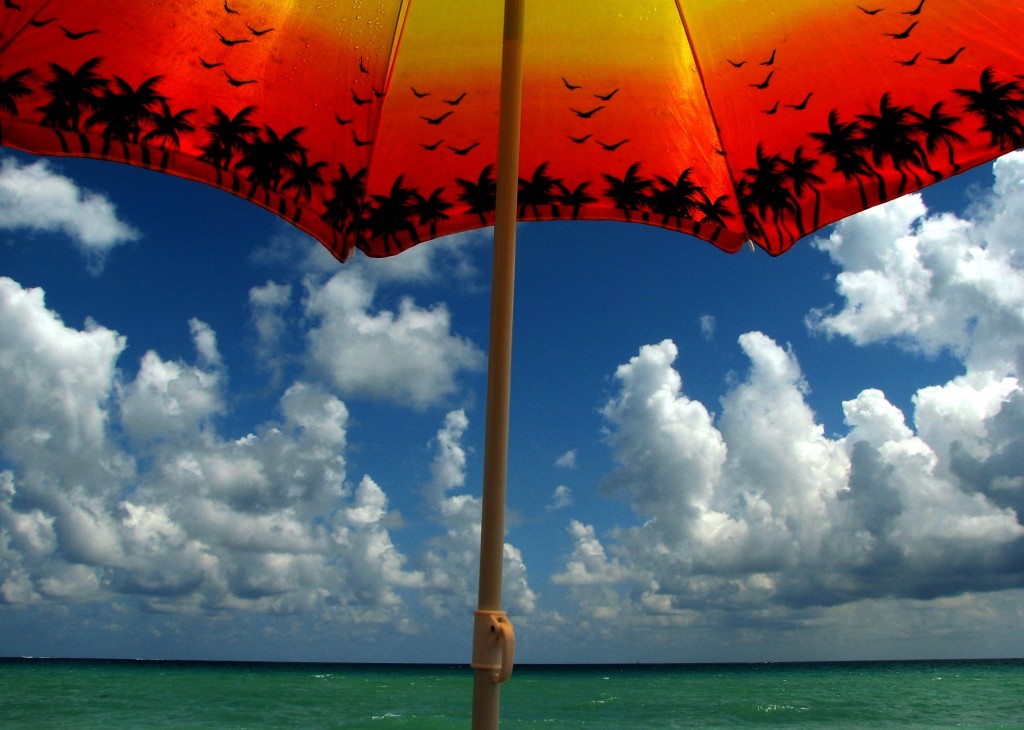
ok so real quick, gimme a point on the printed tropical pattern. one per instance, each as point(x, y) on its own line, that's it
point(373, 125)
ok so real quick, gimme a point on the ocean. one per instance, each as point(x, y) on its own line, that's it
point(54, 693)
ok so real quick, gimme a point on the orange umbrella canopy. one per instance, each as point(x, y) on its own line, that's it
point(373, 124)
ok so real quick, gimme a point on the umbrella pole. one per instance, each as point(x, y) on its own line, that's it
point(493, 640)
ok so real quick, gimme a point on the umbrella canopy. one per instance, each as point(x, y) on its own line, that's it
point(378, 125)
point(374, 124)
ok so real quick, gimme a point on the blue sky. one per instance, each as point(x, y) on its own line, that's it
point(218, 443)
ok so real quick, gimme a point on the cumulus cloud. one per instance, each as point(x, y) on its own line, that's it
point(761, 509)
point(567, 460)
point(560, 498)
point(409, 356)
point(34, 197)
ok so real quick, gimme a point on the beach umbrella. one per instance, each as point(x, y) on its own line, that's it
point(380, 124)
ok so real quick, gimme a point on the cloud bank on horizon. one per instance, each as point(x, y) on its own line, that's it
point(118, 484)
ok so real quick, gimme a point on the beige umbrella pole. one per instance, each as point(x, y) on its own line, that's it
point(493, 640)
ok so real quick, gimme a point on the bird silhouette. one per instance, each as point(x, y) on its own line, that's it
point(614, 146)
point(419, 94)
point(11, 5)
point(359, 100)
point(238, 82)
point(764, 84)
point(229, 42)
point(581, 140)
point(341, 121)
point(570, 87)
point(432, 147)
point(736, 64)
point(207, 64)
point(608, 96)
point(947, 61)
point(41, 23)
point(770, 60)
point(360, 142)
point(456, 100)
point(876, 11)
point(586, 115)
point(437, 120)
point(76, 36)
point(774, 109)
point(904, 35)
point(258, 32)
point(910, 61)
point(362, 68)
point(915, 11)
point(803, 104)
point(378, 94)
point(229, 10)
point(465, 150)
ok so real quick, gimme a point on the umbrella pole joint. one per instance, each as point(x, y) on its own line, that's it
point(494, 644)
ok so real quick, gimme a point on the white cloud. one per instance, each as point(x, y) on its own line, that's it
point(409, 356)
point(567, 460)
point(560, 498)
point(935, 282)
point(34, 197)
point(707, 326)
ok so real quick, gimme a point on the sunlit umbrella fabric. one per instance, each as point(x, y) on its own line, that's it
point(373, 124)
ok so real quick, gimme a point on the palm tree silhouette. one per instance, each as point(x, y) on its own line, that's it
point(843, 142)
point(12, 88)
point(799, 174)
point(228, 135)
point(167, 129)
point(538, 191)
point(391, 214)
point(998, 103)
point(714, 213)
point(480, 196)
point(675, 199)
point(346, 200)
point(71, 94)
point(766, 190)
point(122, 110)
point(577, 197)
point(937, 128)
point(304, 177)
point(431, 210)
point(268, 158)
point(890, 134)
point(628, 192)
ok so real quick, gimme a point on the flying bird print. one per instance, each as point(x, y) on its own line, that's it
point(358, 99)
point(76, 36)
point(258, 32)
point(950, 59)
point(581, 140)
point(230, 42)
point(904, 35)
point(764, 84)
point(229, 10)
point(432, 147)
point(915, 11)
point(456, 100)
point(875, 11)
point(736, 64)
point(12, 5)
point(341, 121)
point(910, 61)
point(570, 87)
point(803, 104)
point(238, 82)
point(207, 64)
point(770, 61)
point(587, 114)
point(360, 142)
point(608, 96)
point(465, 150)
point(772, 110)
point(612, 147)
point(40, 23)
point(419, 94)
point(437, 120)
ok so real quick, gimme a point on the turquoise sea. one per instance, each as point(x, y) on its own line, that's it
point(55, 693)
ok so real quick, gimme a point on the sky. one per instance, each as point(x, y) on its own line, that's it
point(218, 443)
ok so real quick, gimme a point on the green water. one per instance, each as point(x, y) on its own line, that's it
point(95, 694)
